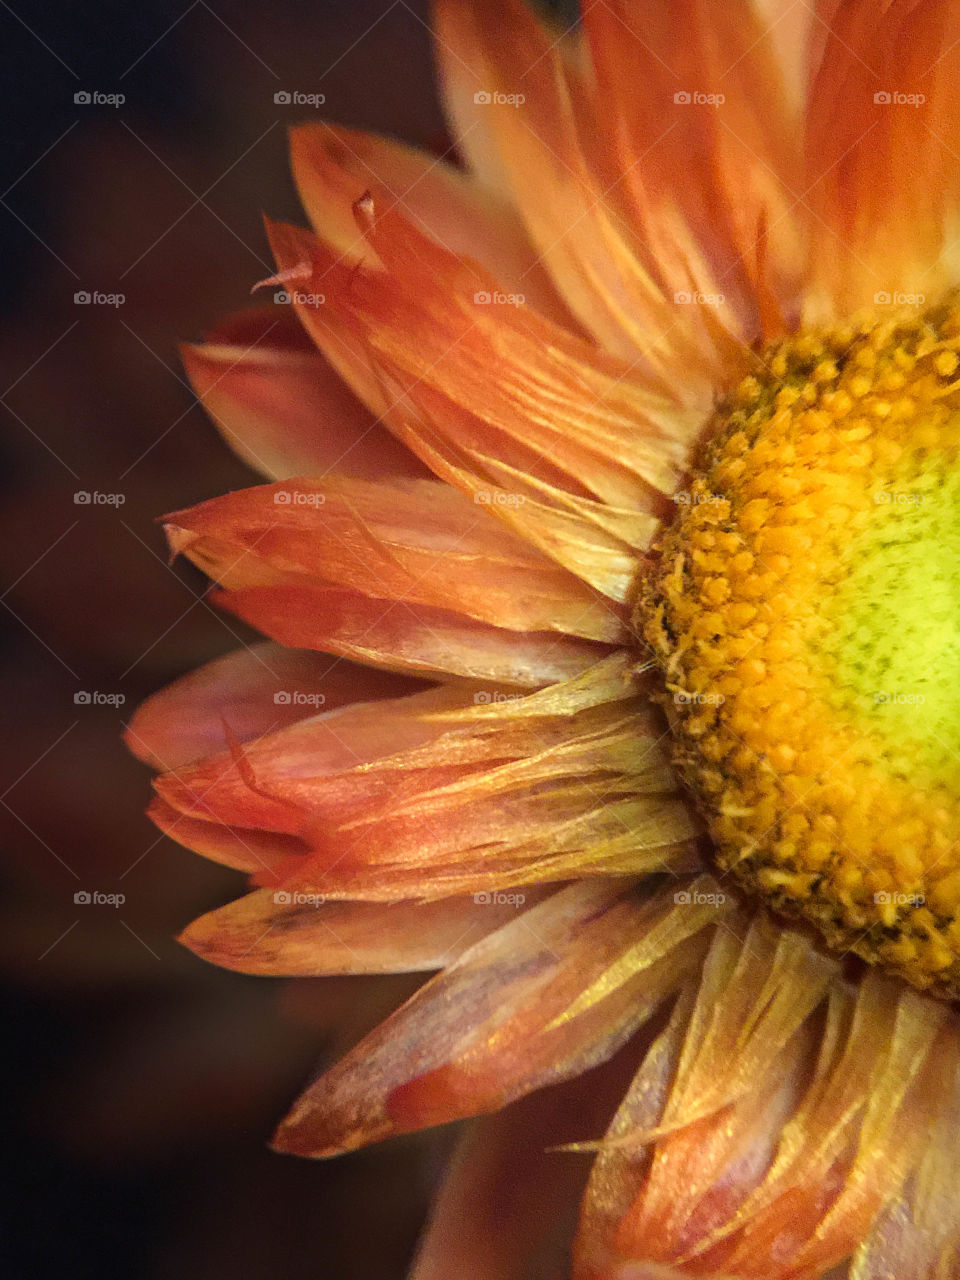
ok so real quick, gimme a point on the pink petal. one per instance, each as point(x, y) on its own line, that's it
point(246, 694)
point(281, 406)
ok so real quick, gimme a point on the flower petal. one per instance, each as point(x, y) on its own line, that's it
point(445, 793)
point(718, 178)
point(766, 1133)
point(334, 166)
point(507, 1207)
point(246, 694)
point(282, 408)
point(537, 127)
point(270, 932)
point(422, 641)
point(244, 848)
point(419, 542)
point(883, 155)
point(509, 1016)
point(569, 447)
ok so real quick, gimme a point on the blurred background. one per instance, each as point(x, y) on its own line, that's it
point(142, 143)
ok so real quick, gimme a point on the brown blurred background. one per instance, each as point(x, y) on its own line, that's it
point(141, 1086)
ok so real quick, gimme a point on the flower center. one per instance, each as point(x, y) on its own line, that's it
point(805, 610)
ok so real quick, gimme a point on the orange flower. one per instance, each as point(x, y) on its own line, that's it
point(650, 408)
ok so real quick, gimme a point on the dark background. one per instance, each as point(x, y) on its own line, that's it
point(140, 1085)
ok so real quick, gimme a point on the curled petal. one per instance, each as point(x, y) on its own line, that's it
point(568, 446)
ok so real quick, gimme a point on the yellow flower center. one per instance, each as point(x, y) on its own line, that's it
point(805, 610)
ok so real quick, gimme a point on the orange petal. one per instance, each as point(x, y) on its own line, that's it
point(509, 1016)
point(334, 166)
point(419, 542)
point(567, 446)
point(536, 128)
point(447, 793)
point(245, 848)
point(507, 1206)
point(883, 155)
point(282, 408)
point(418, 641)
point(718, 177)
point(251, 692)
point(717, 1164)
point(271, 932)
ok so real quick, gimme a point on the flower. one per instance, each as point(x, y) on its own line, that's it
point(645, 409)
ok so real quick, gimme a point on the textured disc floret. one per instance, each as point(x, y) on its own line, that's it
point(805, 610)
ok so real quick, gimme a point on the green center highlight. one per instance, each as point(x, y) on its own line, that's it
point(891, 643)
point(804, 608)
